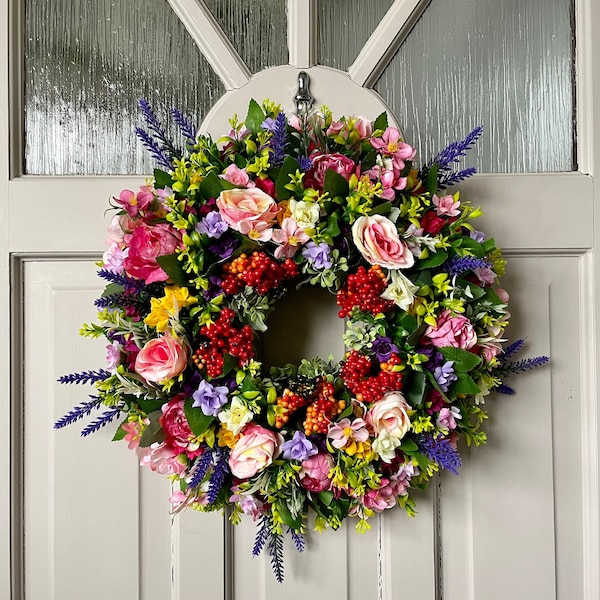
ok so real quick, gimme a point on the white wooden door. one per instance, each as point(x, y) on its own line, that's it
point(79, 519)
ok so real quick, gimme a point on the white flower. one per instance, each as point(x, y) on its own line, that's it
point(401, 291)
point(306, 214)
point(236, 416)
point(385, 445)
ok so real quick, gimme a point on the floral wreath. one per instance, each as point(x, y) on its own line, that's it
point(199, 257)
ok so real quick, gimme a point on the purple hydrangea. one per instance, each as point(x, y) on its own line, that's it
point(444, 375)
point(212, 225)
point(210, 398)
point(384, 348)
point(318, 256)
point(298, 448)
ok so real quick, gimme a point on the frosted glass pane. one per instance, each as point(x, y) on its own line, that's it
point(87, 62)
point(503, 64)
point(345, 26)
point(256, 28)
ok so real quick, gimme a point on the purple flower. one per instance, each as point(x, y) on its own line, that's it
point(224, 246)
point(210, 398)
point(268, 124)
point(444, 375)
point(305, 163)
point(214, 288)
point(212, 225)
point(298, 448)
point(318, 256)
point(384, 348)
point(478, 236)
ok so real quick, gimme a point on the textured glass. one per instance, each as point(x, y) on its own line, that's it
point(87, 62)
point(256, 28)
point(345, 26)
point(503, 64)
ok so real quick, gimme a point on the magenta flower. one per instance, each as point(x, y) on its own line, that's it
point(391, 143)
point(289, 238)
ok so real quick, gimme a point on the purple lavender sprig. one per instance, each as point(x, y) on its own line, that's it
point(305, 163)
point(124, 299)
point(187, 128)
point(505, 389)
point(511, 349)
point(126, 282)
point(298, 540)
point(81, 410)
point(456, 150)
point(84, 377)
point(458, 265)
point(520, 366)
point(263, 530)
point(279, 141)
point(156, 140)
point(104, 419)
point(275, 548)
point(456, 177)
point(441, 451)
point(217, 477)
point(203, 464)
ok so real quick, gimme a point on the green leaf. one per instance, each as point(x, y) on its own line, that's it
point(335, 184)
point(463, 360)
point(120, 433)
point(162, 179)
point(255, 116)
point(112, 289)
point(433, 260)
point(172, 267)
point(382, 209)
point(381, 122)
point(369, 160)
point(414, 388)
point(149, 406)
point(332, 229)
point(197, 420)
point(431, 182)
point(473, 246)
point(229, 363)
point(489, 245)
point(421, 459)
point(409, 446)
point(153, 432)
point(289, 167)
point(211, 186)
point(492, 297)
point(465, 385)
point(326, 497)
point(285, 514)
point(475, 291)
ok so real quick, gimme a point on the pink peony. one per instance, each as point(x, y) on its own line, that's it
point(179, 436)
point(456, 332)
point(390, 414)
point(237, 176)
point(376, 238)
point(254, 451)
point(162, 459)
point(321, 163)
point(161, 359)
point(314, 475)
point(249, 211)
point(146, 245)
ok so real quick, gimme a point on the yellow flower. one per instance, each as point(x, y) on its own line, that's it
point(227, 438)
point(166, 308)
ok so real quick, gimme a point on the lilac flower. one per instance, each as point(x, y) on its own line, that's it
point(224, 246)
point(298, 448)
point(113, 356)
point(268, 124)
point(444, 375)
point(212, 225)
point(384, 348)
point(478, 236)
point(210, 398)
point(318, 256)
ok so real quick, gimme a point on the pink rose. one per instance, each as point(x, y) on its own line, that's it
point(456, 332)
point(254, 451)
point(161, 359)
point(339, 163)
point(376, 238)
point(178, 434)
point(146, 245)
point(314, 475)
point(249, 211)
point(237, 176)
point(381, 499)
point(390, 414)
point(162, 459)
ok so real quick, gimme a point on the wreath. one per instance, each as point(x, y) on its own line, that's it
point(200, 255)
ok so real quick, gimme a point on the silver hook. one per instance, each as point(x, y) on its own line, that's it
point(304, 100)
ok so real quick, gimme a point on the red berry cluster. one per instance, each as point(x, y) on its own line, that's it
point(258, 271)
point(224, 338)
point(357, 374)
point(363, 289)
point(323, 410)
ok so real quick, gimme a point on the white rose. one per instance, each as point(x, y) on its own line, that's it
point(306, 214)
point(385, 445)
point(236, 416)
